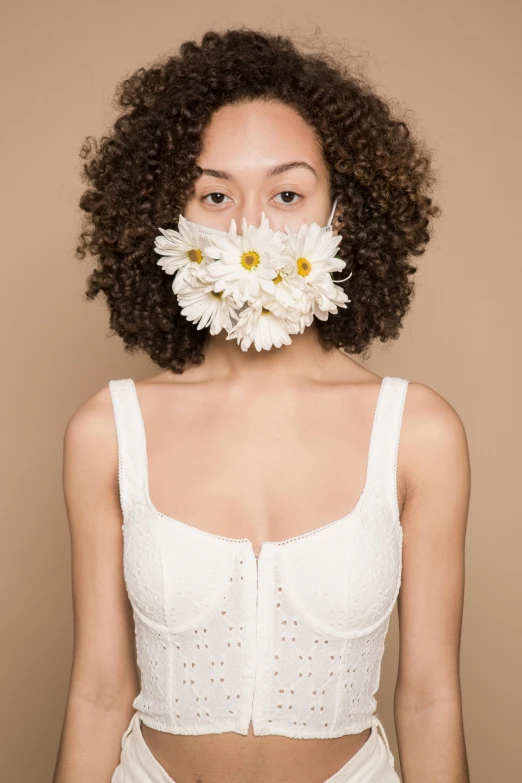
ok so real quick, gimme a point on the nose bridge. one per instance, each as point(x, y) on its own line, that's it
point(250, 209)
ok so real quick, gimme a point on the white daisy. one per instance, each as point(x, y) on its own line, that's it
point(265, 323)
point(288, 290)
point(326, 297)
point(186, 276)
point(204, 306)
point(246, 264)
point(310, 255)
point(311, 252)
point(181, 249)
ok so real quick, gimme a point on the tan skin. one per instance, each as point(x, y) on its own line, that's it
point(315, 409)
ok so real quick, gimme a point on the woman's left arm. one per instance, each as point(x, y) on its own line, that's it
point(428, 703)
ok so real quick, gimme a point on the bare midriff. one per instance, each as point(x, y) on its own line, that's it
point(235, 758)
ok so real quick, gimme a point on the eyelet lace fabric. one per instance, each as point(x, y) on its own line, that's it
point(290, 642)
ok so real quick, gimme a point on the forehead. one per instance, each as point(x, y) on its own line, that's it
point(267, 131)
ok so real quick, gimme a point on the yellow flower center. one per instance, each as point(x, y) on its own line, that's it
point(217, 294)
point(264, 311)
point(277, 279)
point(250, 259)
point(304, 267)
point(195, 255)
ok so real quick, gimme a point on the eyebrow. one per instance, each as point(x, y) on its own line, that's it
point(271, 173)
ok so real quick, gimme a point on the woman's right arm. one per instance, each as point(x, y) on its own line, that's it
point(104, 678)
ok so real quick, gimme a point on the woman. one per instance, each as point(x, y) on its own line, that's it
point(246, 516)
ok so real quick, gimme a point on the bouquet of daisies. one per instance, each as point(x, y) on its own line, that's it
point(261, 286)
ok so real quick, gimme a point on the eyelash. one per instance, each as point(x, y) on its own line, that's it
point(217, 192)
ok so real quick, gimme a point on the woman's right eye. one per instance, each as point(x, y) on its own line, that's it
point(217, 198)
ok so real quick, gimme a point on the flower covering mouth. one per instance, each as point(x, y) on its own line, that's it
point(261, 286)
point(245, 265)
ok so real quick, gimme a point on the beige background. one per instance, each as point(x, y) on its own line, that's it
point(457, 65)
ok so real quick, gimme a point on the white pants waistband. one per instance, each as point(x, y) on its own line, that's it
point(373, 762)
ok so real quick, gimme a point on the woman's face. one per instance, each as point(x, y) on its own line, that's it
point(260, 157)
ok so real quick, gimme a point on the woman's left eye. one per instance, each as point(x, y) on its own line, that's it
point(288, 196)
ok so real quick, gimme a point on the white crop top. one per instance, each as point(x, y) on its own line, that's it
point(291, 642)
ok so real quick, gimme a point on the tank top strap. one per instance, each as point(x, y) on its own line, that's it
point(384, 448)
point(132, 453)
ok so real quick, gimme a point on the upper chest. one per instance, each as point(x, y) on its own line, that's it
point(265, 467)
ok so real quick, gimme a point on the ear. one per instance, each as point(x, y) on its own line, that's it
point(337, 223)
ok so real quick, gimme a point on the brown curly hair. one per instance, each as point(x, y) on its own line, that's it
point(143, 173)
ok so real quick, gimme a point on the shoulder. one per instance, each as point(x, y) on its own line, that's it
point(433, 435)
point(90, 430)
point(428, 411)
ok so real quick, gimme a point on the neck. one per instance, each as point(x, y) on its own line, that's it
point(304, 355)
